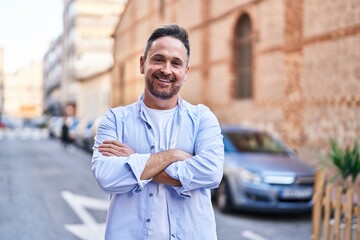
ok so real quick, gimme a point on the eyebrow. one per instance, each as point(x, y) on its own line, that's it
point(163, 56)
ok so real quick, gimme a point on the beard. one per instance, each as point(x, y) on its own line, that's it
point(162, 93)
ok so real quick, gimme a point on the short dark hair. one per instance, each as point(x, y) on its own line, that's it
point(171, 30)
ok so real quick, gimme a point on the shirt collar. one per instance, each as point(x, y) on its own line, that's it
point(180, 103)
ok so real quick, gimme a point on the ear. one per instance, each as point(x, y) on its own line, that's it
point(186, 72)
point(142, 62)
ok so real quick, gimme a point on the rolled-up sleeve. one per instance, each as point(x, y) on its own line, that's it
point(205, 168)
point(116, 174)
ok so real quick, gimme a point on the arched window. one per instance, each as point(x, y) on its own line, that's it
point(243, 58)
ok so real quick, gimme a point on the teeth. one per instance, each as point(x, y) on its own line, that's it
point(163, 80)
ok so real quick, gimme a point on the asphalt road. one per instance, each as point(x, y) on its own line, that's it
point(47, 192)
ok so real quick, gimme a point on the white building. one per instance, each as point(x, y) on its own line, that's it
point(52, 78)
point(87, 52)
point(23, 92)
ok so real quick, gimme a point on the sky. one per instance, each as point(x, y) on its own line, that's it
point(27, 27)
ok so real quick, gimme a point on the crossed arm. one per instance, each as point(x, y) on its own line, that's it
point(156, 164)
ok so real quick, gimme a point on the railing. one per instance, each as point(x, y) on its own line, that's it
point(335, 214)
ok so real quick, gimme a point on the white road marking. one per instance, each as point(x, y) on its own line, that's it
point(251, 235)
point(90, 230)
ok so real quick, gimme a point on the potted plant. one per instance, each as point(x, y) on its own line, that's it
point(346, 162)
point(337, 220)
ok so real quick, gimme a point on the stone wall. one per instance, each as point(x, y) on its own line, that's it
point(306, 68)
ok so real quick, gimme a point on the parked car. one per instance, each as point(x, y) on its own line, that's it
point(261, 173)
point(89, 135)
point(81, 130)
point(6, 122)
point(54, 126)
point(72, 123)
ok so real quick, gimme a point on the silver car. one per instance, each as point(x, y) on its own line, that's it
point(262, 174)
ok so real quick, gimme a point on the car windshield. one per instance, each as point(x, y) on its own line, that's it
point(252, 142)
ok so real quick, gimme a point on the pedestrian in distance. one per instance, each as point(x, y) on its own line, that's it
point(65, 139)
point(160, 157)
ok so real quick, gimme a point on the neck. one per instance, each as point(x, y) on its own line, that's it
point(160, 104)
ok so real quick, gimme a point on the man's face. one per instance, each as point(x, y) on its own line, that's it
point(165, 67)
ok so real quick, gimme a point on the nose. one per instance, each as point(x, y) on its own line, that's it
point(166, 69)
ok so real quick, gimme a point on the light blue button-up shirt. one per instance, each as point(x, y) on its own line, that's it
point(191, 217)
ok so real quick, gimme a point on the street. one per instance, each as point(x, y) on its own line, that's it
point(48, 192)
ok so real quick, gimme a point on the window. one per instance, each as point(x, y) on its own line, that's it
point(243, 58)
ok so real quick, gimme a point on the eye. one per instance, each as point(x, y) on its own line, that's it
point(157, 59)
point(177, 63)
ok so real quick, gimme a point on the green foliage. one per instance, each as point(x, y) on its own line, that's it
point(347, 161)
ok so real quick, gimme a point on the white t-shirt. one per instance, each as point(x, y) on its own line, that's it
point(161, 122)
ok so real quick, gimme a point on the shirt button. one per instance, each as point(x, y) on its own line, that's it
point(147, 220)
point(150, 195)
point(152, 147)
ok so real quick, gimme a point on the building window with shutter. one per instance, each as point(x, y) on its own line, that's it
point(243, 58)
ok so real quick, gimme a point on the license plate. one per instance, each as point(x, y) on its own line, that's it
point(296, 193)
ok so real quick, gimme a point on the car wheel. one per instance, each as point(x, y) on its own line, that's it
point(223, 197)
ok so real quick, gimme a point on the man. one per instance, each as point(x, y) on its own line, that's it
point(159, 157)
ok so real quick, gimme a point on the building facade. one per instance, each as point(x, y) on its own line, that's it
point(23, 92)
point(291, 67)
point(87, 50)
point(1, 81)
point(52, 78)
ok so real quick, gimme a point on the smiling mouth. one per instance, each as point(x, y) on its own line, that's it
point(164, 80)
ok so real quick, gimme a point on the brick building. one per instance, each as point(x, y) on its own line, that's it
point(292, 67)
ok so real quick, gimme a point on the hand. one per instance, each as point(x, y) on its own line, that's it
point(163, 177)
point(115, 148)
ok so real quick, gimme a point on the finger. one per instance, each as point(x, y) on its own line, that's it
point(108, 146)
point(111, 152)
point(105, 146)
point(117, 152)
point(113, 142)
point(114, 151)
point(107, 154)
point(118, 149)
